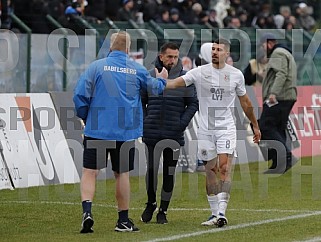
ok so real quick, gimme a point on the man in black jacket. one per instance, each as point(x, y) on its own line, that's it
point(165, 119)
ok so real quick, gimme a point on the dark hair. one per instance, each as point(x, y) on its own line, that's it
point(224, 42)
point(168, 45)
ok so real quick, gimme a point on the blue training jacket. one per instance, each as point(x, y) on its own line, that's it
point(107, 97)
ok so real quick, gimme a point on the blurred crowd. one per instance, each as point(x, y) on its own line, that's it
point(216, 13)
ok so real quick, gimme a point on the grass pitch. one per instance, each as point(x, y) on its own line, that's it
point(262, 208)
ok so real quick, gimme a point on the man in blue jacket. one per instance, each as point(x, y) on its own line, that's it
point(107, 98)
point(165, 119)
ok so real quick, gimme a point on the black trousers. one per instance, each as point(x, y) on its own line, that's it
point(170, 159)
point(273, 123)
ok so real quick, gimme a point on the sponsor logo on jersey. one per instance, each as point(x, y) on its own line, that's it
point(217, 93)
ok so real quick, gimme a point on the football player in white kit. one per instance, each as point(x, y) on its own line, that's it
point(217, 85)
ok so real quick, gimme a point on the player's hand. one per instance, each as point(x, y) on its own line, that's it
point(162, 74)
point(257, 135)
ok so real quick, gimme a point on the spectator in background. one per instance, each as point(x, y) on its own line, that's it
point(95, 9)
point(230, 61)
point(265, 20)
point(255, 72)
point(6, 10)
point(39, 23)
point(71, 18)
point(111, 8)
point(174, 15)
point(242, 15)
point(169, 4)
point(126, 12)
point(234, 23)
point(165, 120)
point(203, 18)
point(305, 20)
point(212, 18)
point(290, 23)
point(187, 63)
point(149, 9)
point(56, 8)
point(252, 7)
point(267, 13)
point(279, 19)
point(163, 16)
point(279, 94)
point(197, 10)
point(221, 11)
point(259, 22)
point(83, 4)
point(73, 10)
point(205, 55)
point(212, 3)
point(187, 14)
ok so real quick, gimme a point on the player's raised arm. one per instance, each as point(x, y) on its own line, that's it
point(171, 83)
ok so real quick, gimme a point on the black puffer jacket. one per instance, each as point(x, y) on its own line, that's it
point(168, 115)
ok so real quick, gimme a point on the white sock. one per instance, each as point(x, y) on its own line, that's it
point(213, 202)
point(223, 198)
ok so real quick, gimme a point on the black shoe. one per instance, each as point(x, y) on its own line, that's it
point(87, 223)
point(294, 160)
point(161, 217)
point(221, 221)
point(274, 171)
point(273, 166)
point(147, 215)
point(127, 226)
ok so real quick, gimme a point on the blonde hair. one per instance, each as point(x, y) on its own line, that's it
point(120, 41)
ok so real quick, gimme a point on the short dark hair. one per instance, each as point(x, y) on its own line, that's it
point(224, 42)
point(168, 45)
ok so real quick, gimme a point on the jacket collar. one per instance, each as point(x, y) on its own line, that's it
point(279, 46)
point(117, 53)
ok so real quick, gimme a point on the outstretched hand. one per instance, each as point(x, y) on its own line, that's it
point(162, 74)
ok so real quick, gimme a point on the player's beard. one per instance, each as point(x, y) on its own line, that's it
point(215, 60)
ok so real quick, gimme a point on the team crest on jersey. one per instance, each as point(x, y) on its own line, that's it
point(204, 153)
point(226, 77)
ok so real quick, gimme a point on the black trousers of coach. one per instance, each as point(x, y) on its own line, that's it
point(273, 123)
point(170, 159)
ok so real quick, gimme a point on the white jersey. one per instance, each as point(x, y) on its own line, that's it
point(216, 92)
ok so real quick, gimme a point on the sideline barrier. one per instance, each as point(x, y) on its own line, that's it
point(41, 138)
point(34, 150)
point(306, 118)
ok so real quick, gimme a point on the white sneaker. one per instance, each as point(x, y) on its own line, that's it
point(187, 170)
point(221, 221)
point(212, 220)
point(200, 168)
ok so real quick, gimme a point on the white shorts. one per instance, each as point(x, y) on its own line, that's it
point(209, 146)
